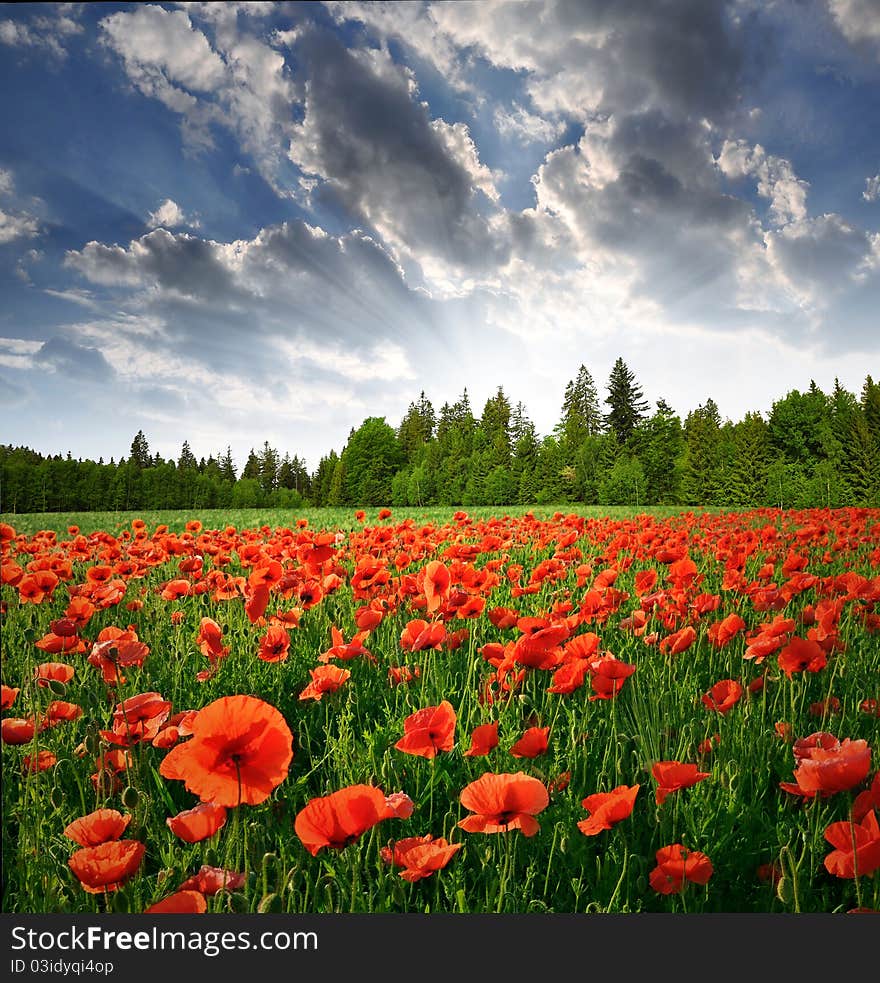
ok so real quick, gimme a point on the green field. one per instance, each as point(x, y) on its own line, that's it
point(767, 847)
point(318, 518)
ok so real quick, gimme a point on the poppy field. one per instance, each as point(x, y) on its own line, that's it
point(443, 712)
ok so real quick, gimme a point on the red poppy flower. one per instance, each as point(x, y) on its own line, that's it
point(325, 679)
point(532, 744)
point(336, 820)
point(340, 649)
point(97, 827)
point(107, 866)
point(398, 675)
point(679, 641)
point(645, 582)
point(199, 823)
point(676, 865)
point(723, 696)
point(608, 808)
point(539, 646)
point(210, 880)
point(428, 731)
point(17, 730)
point(867, 800)
point(608, 674)
point(256, 603)
point(501, 802)
point(399, 805)
point(54, 644)
point(857, 845)
point(420, 856)
point(483, 739)
point(801, 655)
point(175, 589)
point(274, 645)
point(9, 694)
point(502, 617)
point(419, 635)
point(59, 711)
point(138, 718)
point(436, 584)
point(674, 775)
point(724, 631)
point(179, 903)
point(48, 672)
point(835, 769)
point(240, 751)
point(42, 761)
point(210, 640)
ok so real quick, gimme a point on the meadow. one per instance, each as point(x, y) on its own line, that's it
point(410, 710)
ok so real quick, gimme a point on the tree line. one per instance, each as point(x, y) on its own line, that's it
point(812, 449)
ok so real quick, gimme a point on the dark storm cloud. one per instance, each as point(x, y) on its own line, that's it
point(74, 362)
point(223, 305)
point(374, 148)
point(687, 55)
point(182, 263)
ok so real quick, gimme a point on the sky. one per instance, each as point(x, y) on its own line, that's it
point(229, 223)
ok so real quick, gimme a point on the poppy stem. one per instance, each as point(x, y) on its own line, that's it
point(852, 834)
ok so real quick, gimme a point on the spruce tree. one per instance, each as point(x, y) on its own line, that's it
point(626, 400)
point(581, 417)
point(227, 466)
point(187, 460)
point(140, 451)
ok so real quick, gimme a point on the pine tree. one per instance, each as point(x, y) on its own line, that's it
point(626, 401)
point(140, 451)
point(268, 468)
point(581, 417)
point(187, 460)
point(227, 466)
point(870, 403)
point(661, 447)
point(702, 429)
point(252, 467)
point(748, 479)
point(417, 427)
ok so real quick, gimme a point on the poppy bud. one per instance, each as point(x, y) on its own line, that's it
point(57, 797)
point(119, 902)
point(236, 903)
point(211, 858)
point(269, 903)
point(57, 687)
point(130, 797)
point(784, 890)
point(30, 636)
point(92, 744)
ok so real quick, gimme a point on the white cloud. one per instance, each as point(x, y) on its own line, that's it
point(239, 83)
point(526, 127)
point(153, 41)
point(872, 188)
point(17, 225)
point(170, 215)
point(776, 179)
point(858, 20)
point(20, 35)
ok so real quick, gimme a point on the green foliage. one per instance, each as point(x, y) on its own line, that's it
point(371, 458)
point(812, 449)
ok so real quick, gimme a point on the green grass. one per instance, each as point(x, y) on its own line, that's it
point(30, 523)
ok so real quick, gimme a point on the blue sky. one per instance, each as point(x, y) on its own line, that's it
point(231, 223)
